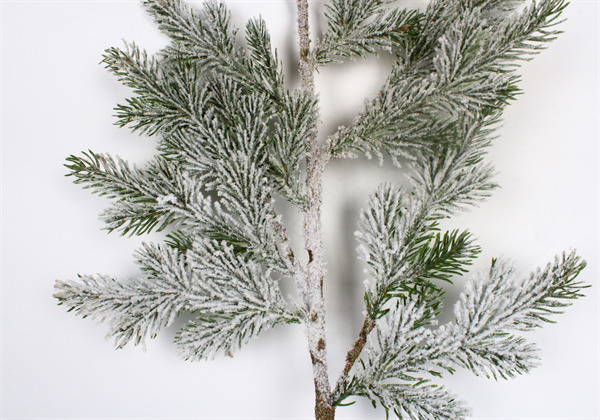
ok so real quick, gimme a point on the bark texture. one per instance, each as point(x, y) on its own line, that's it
point(353, 354)
point(316, 158)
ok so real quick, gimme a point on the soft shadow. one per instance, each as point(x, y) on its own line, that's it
point(350, 288)
point(290, 53)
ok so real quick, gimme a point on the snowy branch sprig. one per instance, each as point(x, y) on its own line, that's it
point(143, 196)
point(460, 63)
point(233, 139)
point(406, 253)
point(213, 185)
point(236, 299)
point(244, 300)
point(359, 27)
point(403, 348)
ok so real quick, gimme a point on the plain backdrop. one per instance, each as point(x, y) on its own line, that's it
point(57, 100)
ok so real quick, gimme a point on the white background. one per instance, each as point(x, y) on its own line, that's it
point(57, 100)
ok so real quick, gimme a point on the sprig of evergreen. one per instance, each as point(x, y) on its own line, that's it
point(406, 252)
point(460, 63)
point(360, 27)
point(234, 298)
point(403, 348)
point(233, 138)
point(213, 179)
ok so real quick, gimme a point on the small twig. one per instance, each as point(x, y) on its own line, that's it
point(352, 355)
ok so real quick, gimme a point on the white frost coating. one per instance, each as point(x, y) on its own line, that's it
point(397, 354)
point(165, 199)
point(230, 139)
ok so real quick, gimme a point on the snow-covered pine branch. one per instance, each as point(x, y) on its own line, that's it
point(405, 351)
point(406, 253)
point(233, 138)
point(144, 197)
point(257, 77)
point(453, 175)
point(498, 299)
point(398, 232)
point(235, 298)
point(379, 378)
point(244, 300)
point(161, 196)
point(168, 97)
point(136, 308)
point(207, 37)
point(358, 27)
point(460, 62)
point(215, 178)
point(177, 99)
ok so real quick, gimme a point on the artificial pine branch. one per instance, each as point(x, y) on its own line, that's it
point(233, 139)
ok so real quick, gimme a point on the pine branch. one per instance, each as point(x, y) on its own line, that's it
point(459, 67)
point(295, 124)
point(499, 300)
point(236, 155)
point(496, 303)
point(209, 35)
point(135, 219)
point(181, 95)
point(406, 254)
point(498, 356)
point(209, 279)
point(232, 137)
point(177, 101)
point(399, 228)
point(358, 27)
point(243, 217)
point(107, 176)
point(420, 401)
point(402, 347)
point(162, 195)
point(169, 97)
point(263, 62)
point(209, 40)
point(143, 196)
point(127, 305)
point(380, 378)
point(136, 309)
point(243, 302)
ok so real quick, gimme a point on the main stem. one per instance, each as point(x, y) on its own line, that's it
point(316, 158)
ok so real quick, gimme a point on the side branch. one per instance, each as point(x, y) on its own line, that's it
point(351, 357)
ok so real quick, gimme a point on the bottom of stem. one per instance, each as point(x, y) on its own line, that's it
point(324, 411)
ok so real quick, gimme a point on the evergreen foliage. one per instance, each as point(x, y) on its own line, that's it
point(233, 137)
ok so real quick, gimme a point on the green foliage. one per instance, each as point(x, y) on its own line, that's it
point(402, 244)
point(241, 301)
point(232, 139)
point(406, 350)
point(359, 27)
point(137, 209)
point(461, 64)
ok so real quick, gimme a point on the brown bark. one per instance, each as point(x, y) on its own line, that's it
point(354, 352)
